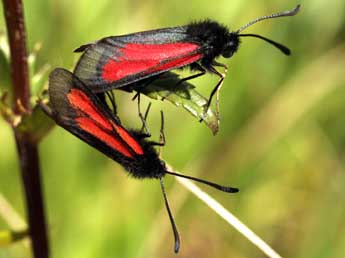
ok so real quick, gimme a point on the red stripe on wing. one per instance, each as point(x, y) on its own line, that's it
point(81, 101)
point(97, 123)
point(129, 139)
point(177, 63)
point(157, 51)
point(115, 70)
point(136, 58)
point(89, 126)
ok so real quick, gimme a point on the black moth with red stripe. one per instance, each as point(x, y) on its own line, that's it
point(79, 111)
point(75, 108)
point(121, 61)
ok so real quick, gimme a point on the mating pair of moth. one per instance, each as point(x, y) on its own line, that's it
point(131, 63)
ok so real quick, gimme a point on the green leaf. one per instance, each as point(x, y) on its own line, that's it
point(167, 87)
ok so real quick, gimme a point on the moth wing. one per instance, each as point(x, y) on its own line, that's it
point(78, 110)
point(113, 62)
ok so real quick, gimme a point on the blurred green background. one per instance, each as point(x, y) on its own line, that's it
point(281, 141)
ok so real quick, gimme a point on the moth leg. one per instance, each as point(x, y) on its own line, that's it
point(113, 109)
point(161, 132)
point(135, 96)
point(143, 83)
point(143, 118)
point(218, 85)
point(111, 97)
point(215, 63)
point(144, 129)
point(162, 141)
point(198, 67)
point(201, 69)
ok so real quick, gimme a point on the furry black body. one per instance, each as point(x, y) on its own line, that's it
point(214, 39)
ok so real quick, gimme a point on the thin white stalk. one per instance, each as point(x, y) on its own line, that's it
point(12, 218)
point(229, 217)
point(10, 215)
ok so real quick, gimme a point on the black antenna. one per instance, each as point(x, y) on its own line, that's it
point(214, 185)
point(174, 228)
point(281, 47)
point(275, 15)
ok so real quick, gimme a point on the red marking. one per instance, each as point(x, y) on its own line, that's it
point(89, 126)
point(129, 139)
point(160, 52)
point(177, 63)
point(136, 58)
point(81, 101)
point(113, 70)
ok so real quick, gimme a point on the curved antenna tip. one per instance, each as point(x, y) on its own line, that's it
point(292, 12)
point(231, 190)
point(296, 9)
point(177, 247)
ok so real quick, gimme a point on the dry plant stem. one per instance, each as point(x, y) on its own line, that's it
point(10, 215)
point(13, 219)
point(27, 150)
point(230, 218)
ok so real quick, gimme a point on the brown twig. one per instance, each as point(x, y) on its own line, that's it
point(16, 35)
point(27, 149)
